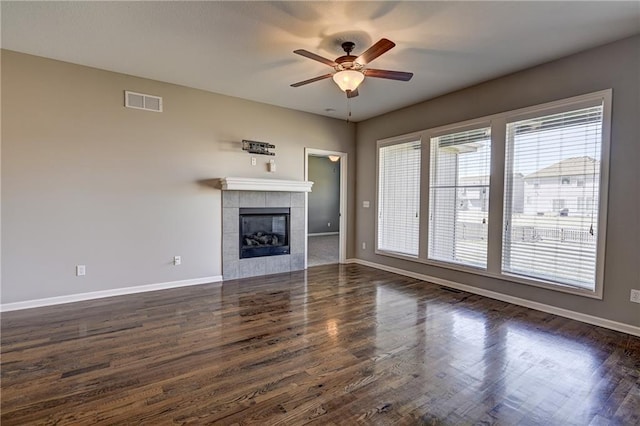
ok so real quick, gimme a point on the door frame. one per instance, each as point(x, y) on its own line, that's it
point(342, 251)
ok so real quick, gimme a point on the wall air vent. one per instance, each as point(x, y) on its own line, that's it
point(142, 101)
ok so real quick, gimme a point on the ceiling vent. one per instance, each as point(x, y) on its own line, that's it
point(142, 101)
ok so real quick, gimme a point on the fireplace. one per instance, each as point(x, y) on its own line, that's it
point(264, 232)
point(284, 199)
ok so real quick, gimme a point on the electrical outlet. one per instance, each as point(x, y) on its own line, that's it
point(365, 204)
point(254, 161)
point(81, 270)
point(177, 260)
point(364, 245)
point(635, 296)
point(328, 224)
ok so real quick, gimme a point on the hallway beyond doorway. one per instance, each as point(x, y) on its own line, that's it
point(323, 249)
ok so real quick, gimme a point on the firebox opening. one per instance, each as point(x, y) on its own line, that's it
point(264, 232)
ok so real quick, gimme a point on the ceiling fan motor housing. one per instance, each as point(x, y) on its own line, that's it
point(347, 62)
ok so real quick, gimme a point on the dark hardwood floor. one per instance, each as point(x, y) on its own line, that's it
point(334, 345)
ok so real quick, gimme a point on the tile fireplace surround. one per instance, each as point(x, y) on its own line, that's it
point(240, 193)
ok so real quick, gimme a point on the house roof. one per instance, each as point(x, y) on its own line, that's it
point(575, 166)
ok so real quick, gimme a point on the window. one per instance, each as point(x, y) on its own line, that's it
point(554, 239)
point(399, 197)
point(520, 196)
point(585, 204)
point(459, 197)
point(558, 204)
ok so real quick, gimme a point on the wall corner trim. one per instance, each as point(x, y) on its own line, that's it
point(58, 300)
point(566, 313)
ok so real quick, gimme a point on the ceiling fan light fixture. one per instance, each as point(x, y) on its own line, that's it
point(348, 79)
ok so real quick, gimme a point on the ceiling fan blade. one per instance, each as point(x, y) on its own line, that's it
point(311, 80)
point(391, 75)
point(352, 93)
point(374, 51)
point(315, 57)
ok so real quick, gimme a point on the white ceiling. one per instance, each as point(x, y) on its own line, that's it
point(244, 49)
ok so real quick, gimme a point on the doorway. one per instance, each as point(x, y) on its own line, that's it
point(326, 207)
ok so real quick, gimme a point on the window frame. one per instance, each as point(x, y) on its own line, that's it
point(411, 137)
point(498, 123)
point(603, 97)
point(429, 135)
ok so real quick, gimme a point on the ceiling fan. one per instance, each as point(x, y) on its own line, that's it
point(350, 70)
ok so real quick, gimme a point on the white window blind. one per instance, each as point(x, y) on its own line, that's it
point(399, 198)
point(553, 162)
point(459, 197)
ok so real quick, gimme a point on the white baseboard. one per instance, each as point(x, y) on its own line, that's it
point(566, 313)
point(322, 234)
point(58, 300)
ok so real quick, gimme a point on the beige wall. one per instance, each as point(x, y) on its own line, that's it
point(87, 181)
point(615, 66)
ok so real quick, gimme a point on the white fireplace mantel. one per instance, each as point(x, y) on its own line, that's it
point(257, 184)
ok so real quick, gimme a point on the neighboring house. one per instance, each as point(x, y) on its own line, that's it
point(474, 194)
point(476, 198)
point(564, 188)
